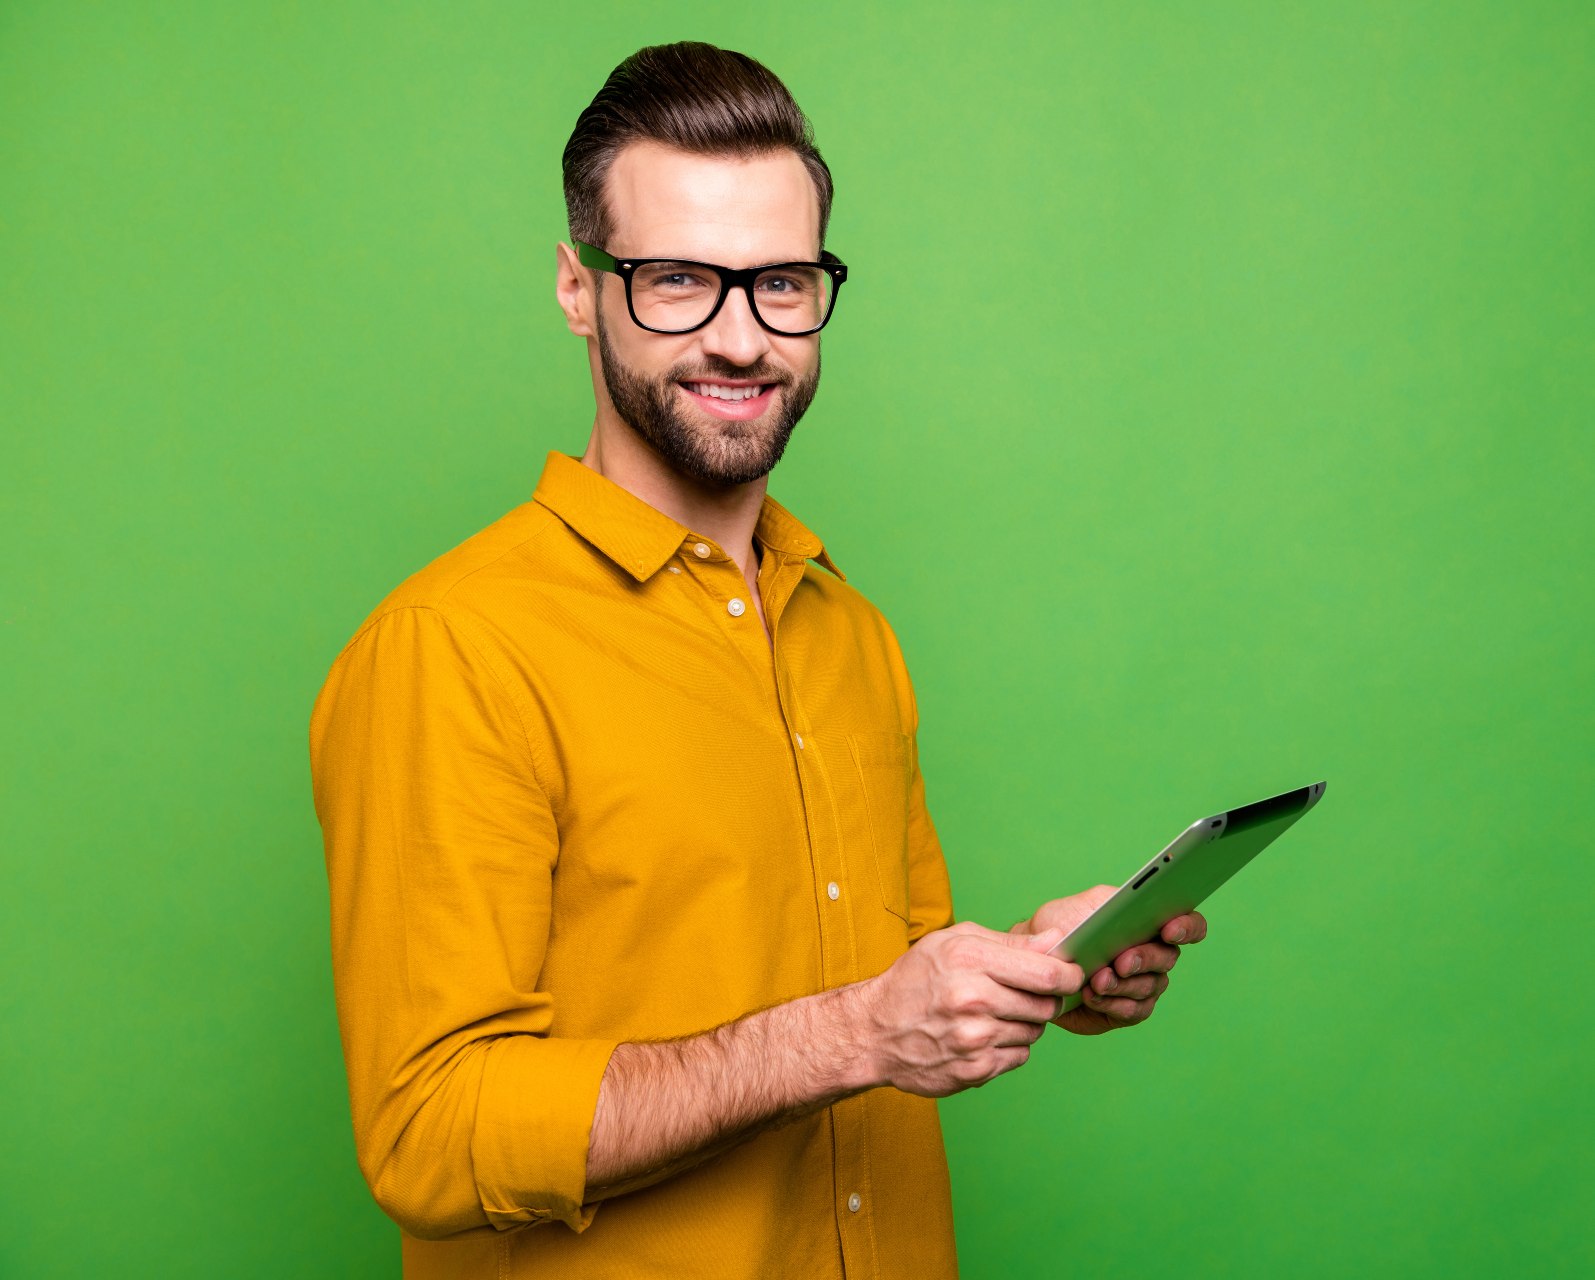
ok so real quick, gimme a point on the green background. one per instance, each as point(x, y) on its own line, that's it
point(1208, 409)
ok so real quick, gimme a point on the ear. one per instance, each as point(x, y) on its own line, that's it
point(573, 289)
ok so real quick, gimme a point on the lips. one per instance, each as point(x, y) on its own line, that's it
point(724, 390)
point(730, 400)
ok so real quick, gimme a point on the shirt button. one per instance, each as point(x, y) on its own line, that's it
point(799, 738)
point(701, 551)
point(854, 1204)
point(735, 607)
point(674, 568)
point(835, 892)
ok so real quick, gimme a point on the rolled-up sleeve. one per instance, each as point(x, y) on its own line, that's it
point(441, 847)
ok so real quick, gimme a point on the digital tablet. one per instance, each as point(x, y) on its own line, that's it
point(1196, 862)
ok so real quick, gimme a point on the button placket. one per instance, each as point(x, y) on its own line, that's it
point(838, 955)
point(851, 1118)
point(717, 574)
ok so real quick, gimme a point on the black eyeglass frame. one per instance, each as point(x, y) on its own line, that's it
point(730, 278)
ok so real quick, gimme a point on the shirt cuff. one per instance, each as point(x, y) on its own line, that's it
point(534, 1121)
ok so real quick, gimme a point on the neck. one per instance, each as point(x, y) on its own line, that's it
point(726, 514)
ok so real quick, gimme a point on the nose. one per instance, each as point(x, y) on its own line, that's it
point(735, 333)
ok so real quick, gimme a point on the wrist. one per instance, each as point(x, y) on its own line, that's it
point(847, 1029)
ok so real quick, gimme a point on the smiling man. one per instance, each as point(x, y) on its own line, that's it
point(642, 936)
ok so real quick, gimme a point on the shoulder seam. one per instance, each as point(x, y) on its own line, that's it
point(442, 595)
point(551, 522)
point(467, 634)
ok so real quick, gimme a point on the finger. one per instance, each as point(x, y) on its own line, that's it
point(1026, 1033)
point(970, 929)
point(1027, 970)
point(1127, 1012)
point(1066, 913)
point(1191, 927)
point(1044, 941)
point(1013, 1005)
point(1095, 896)
point(1009, 1058)
point(971, 1073)
point(1010, 958)
point(1149, 957)
point(1106, 982)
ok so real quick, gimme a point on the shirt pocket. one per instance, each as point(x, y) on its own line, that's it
point(885, 764)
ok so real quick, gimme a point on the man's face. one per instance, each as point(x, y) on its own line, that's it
point(736, 213)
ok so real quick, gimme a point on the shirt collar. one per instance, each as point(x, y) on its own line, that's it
point(639, 538)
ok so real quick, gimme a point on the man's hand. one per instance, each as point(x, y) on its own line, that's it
point(962, 1006)
point(959, 1008)
point(1123, 993)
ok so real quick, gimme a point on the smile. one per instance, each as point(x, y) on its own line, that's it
point(739, 403)
point(720, 391)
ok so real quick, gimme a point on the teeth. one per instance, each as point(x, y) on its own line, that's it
point(721, 392)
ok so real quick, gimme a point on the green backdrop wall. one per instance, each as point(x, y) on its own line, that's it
point(1209, 409)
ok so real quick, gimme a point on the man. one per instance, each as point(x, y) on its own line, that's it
point(642, 935)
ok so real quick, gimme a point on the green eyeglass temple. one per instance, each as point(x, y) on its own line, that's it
point(595, 258)
point(818, 288)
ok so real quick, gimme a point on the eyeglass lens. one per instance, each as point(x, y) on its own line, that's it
point(673, 296)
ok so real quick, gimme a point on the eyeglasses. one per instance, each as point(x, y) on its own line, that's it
point(671, 295)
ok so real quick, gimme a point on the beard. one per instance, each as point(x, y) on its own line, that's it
point(734, 453)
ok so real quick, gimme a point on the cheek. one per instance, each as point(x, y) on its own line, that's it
point(802, 358)
point(644, 356)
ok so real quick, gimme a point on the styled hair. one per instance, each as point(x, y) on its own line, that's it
point(692, 96)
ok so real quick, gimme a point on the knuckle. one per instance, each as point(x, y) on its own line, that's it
point(965, 1039)
point(963, 951)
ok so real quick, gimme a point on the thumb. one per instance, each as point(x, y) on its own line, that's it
point(1073, 975)
point(1046, 940)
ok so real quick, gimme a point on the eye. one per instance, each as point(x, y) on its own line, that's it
point(673, 277)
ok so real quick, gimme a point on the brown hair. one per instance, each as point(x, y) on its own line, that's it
point(688, 95)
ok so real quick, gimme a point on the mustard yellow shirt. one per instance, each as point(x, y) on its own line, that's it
point(572, 796)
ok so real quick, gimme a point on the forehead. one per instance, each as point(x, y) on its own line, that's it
point(737, 211)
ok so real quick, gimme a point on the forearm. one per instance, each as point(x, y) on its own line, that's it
point(670, 1103)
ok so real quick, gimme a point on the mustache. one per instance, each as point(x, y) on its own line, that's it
point(717, 368)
